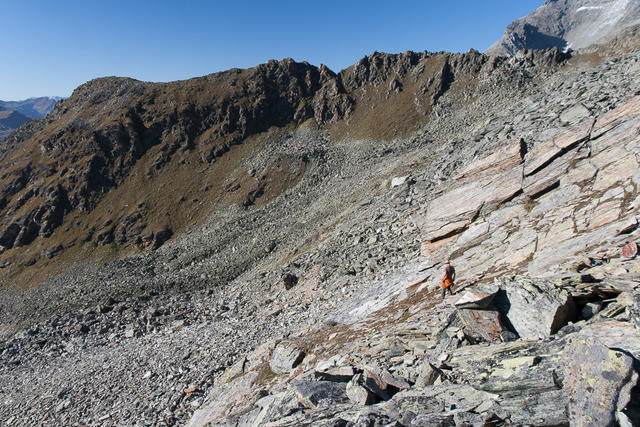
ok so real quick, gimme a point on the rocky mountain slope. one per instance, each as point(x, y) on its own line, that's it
point(124, 165)
point(310, 215)
point(9, 121)
point(568, 24)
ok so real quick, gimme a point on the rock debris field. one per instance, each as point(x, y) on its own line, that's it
point(334, 317)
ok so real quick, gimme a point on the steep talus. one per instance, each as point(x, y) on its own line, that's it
point(517, 349)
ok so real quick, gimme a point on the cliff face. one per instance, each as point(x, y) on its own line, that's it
point(568, 24)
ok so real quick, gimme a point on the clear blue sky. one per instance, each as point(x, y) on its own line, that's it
point(51, 47)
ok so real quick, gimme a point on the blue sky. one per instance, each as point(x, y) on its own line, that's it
point(51, 47)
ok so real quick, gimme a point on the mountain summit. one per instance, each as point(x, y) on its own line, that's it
point(568, 24)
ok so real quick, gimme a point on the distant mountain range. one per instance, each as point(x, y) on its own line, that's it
point(14, 114)
point(9, 121)
point(568, 24)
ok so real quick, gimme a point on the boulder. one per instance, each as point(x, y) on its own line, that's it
point(479, 297)
point(534, 308)
point(382, 383)
point(630, 250)
point(597, 382)
point(482, 325)
point(357, 393)
point(289, 280)
point(427, 375)
point(285, 357)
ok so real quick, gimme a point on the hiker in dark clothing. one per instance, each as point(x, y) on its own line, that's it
point(447, 280)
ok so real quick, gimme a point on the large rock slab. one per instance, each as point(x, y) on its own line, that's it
point(543, 153)
point(319, 393)
point(534, 308)
point(483, 185)
point(597, 381)
point(228, 399)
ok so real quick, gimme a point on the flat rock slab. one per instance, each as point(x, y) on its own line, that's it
point(478, 297)
point(535, 308)
point(545, 152)
point(597, 381)
point(319, 393)
point(484, 184)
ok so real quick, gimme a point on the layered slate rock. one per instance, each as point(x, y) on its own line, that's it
point(578, 190)
point(483, 185)
point(535, 308)
point(598, 382)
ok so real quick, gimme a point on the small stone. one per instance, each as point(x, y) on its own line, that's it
point(289, 280)
point(285, 357)
point(357, 393)
point(630, 250)
point(398, 181)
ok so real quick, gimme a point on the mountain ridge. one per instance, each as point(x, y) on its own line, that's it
point(92, 142)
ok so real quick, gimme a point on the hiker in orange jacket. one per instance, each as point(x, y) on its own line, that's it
point(447, 280)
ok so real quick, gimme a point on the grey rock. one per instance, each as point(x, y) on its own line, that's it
point(478, 297)
point(285, 357)
point(357, 393)
point(598, 382)
point(427, 375)
point(319, 393)
point(535, 308)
